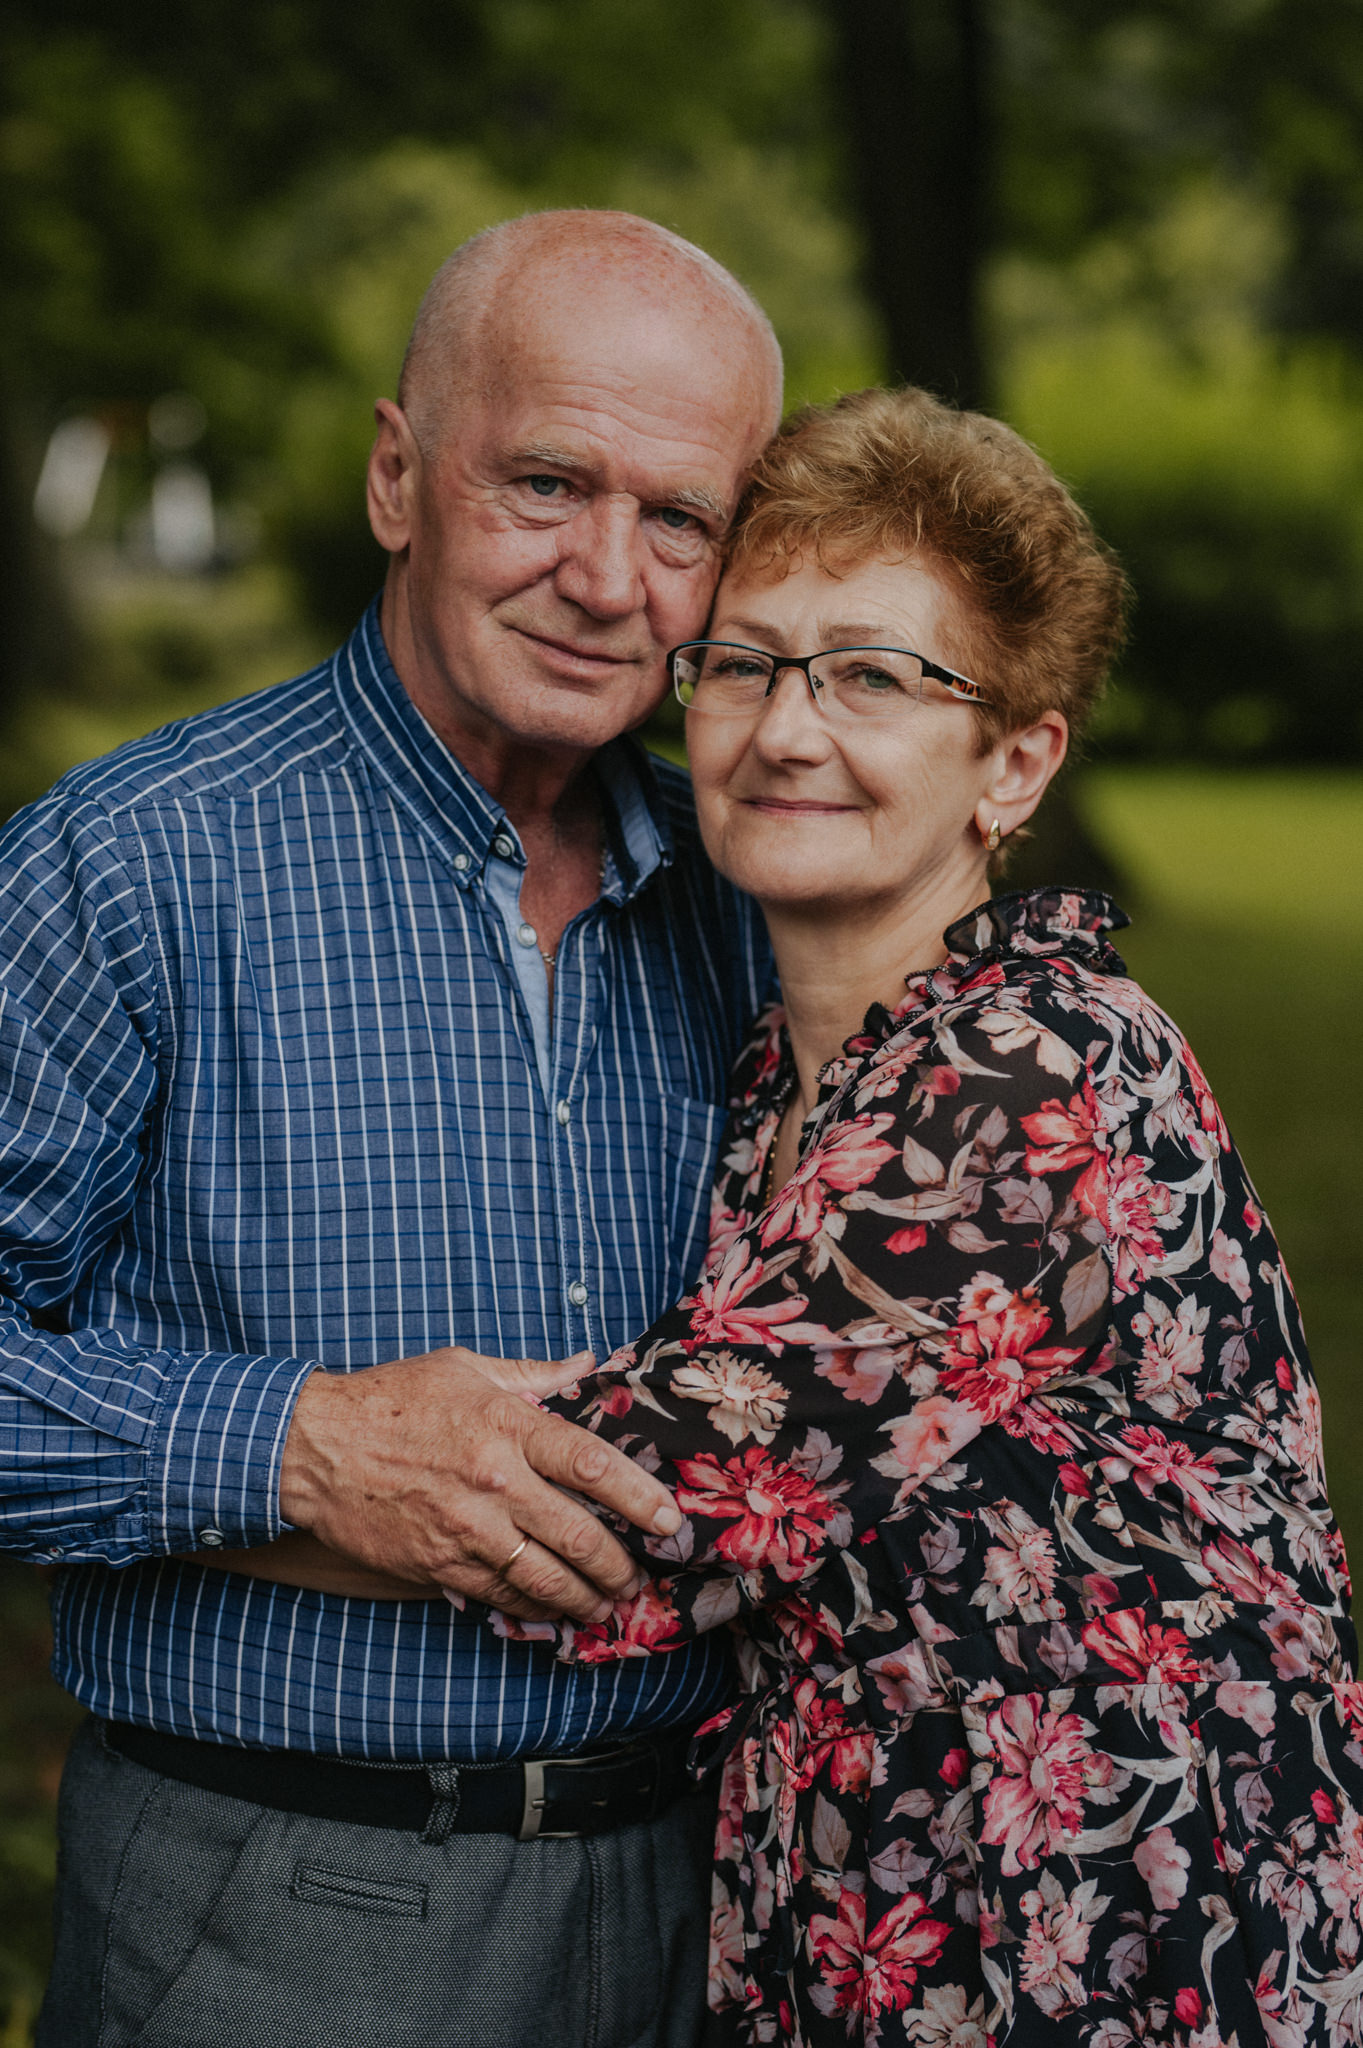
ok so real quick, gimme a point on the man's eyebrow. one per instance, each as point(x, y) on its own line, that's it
point(696, 498)
point(548, 455)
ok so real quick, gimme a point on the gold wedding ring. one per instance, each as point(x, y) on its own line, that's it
point(504, 1569)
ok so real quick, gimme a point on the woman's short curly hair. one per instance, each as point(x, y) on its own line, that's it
point(898, 473)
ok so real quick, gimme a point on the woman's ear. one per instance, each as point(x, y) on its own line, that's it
point(1020, 767)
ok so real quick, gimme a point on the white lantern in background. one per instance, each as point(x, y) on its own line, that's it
point(70, 477)
point(183, 528)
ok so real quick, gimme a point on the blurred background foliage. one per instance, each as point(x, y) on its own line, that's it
point(1137, 232)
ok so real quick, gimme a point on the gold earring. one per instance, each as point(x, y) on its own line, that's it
point(992, 837)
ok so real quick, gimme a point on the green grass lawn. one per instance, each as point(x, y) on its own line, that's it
point(1248, 905)
point(1248, 928)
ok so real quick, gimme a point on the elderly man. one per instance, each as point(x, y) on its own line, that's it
point(383, 1012)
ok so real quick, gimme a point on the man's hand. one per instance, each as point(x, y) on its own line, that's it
point(430, 1471)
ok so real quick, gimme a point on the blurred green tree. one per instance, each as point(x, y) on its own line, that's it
point(1020, 188)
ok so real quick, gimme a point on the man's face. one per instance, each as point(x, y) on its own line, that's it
point(564, 532)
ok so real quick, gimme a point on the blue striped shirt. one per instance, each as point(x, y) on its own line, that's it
point(271, 1096)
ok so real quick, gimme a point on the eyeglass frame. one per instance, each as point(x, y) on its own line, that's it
point(953, 682)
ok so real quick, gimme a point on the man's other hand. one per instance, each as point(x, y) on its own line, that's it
point(430, 1471)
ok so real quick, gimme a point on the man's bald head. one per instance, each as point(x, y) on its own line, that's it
point(478, 296)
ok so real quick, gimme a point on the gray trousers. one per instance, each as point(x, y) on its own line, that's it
point(189, 1920)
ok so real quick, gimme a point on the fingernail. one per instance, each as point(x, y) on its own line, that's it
point(668, 1520)
point(600, 1613)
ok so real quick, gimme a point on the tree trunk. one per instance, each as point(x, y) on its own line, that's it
point(916, 122)
point(916, 130)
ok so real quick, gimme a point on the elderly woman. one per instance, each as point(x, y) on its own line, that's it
point(991, 1417)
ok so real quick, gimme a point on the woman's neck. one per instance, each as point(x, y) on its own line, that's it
point(834, 963)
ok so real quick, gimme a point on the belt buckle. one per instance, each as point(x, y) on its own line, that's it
point(532, 1828)
point(533, 1804)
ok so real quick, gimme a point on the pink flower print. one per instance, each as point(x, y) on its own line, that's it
point(829, 1738)
point(1208, 1109)
point(1299, 1432)
point(1227, 1262)
point(1171, 1353)
point(1243, 1575)
point(779, 1517)
point(634, 1628)
point(933, 1431)
point(873, 1973)
point(1140, 1648)
point(1154, 1460)
point(1298, 1651)
point(1163, 1864)
point(862, 1368)
point(1046, 1771)
point(910, 1239)
point(727, 1948)
point(726, 1226)
point(1188, 2006)
point(1132, 1210)
point(718, 1315)
point(1056, 1942)
point(852, 1154)
point(1339, 1870)
point(1063, 1135)
point(1020, 1578)
point(994, 1357)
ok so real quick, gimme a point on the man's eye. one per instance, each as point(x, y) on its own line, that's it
point(545, 486)
point(674, 517)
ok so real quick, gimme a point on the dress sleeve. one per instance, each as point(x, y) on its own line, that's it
point(936, 1260)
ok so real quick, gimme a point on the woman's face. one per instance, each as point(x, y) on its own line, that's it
point(802, 810)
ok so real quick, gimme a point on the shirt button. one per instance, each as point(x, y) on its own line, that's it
point(461, 862)
point(564, 1113)
point(527, 935)
point(212, 1539)
point(504, 846)
point(577, 1295)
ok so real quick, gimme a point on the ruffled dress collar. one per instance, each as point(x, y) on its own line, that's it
point(1050, 923)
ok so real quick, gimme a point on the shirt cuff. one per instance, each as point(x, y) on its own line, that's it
point(213, 1465)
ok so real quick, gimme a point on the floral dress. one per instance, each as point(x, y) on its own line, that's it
point(996, 1432)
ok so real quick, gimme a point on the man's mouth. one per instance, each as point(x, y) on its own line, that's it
point(574, 654)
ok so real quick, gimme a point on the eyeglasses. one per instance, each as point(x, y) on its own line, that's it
point(724, 678)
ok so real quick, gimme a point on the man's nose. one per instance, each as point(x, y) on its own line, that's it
point(600, 568)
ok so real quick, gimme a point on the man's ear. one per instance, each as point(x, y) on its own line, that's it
point(393, 478)
point(1020, 767)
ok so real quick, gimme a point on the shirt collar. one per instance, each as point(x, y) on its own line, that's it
point(438, 791)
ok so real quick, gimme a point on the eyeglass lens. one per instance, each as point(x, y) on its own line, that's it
point(852, 682)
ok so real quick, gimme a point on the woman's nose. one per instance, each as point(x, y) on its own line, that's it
point(791, 723)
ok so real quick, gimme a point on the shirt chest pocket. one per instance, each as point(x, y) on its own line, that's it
point(691, 1132)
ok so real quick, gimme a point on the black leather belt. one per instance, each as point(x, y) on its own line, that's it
point(549, 1796)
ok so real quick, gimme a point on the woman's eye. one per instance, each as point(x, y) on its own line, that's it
point(878, 679)
point(739, 665)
